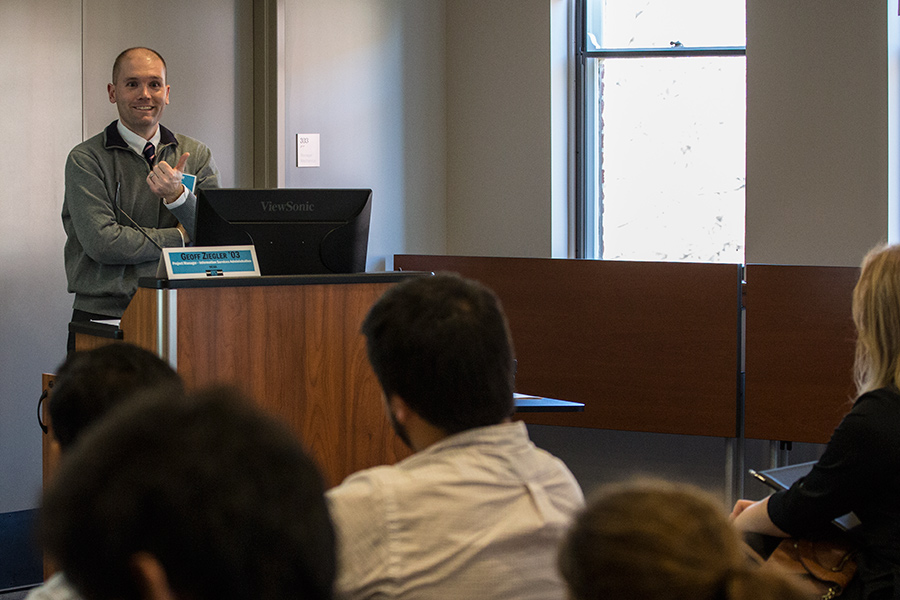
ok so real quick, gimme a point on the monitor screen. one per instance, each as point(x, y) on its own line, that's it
point(295, 231)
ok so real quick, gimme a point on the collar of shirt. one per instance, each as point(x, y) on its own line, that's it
point(501, 436)
point(136, 142)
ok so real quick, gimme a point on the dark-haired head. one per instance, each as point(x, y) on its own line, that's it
point(442, 344)
point(90, 383)
point(219, 495)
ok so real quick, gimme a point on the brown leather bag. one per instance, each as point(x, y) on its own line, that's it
point(826, 565)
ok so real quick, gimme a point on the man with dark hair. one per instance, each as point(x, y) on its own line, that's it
point(89, 385)
point(478, 510)
point(201, 498)
point(124, 194)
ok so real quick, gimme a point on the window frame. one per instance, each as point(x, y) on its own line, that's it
point(584, 247)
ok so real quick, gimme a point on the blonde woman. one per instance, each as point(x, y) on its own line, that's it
point(653, 540)
point(860, 468)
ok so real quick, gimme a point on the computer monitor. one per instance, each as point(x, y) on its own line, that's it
point(295, 231)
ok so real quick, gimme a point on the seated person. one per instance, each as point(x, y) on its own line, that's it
point(654, 540)
point(478, 510)
point(860, 468)
point(88, 385)
point(204, 498)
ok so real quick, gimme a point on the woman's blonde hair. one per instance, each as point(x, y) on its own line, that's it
point(876, 314)
point(654, 540)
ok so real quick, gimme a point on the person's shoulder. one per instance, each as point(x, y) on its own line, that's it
point(92, 145)
point(878, 402)
point(200, 152)
point(363, 483)
point(186, 142)
point(875, 414)
point(88, 155)
point(871, 424)
point(558, 479)
point(361, 495)
point(57, 587)
point(885, 394)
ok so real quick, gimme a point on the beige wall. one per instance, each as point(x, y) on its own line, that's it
point(369, 78)
point(57, 58)
point(40, 120)
point(499, 126)
point(817, 130)
point(453, 111)
point(207, 46)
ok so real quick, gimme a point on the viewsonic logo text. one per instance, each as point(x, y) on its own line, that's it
point(288, 206)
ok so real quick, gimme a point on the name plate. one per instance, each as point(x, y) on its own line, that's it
point(202, 262)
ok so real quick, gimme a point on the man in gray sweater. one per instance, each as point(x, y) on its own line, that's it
point(124, 198)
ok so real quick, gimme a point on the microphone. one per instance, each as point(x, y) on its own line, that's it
point(133, 222)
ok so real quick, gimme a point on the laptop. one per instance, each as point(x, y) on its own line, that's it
point(781, 478)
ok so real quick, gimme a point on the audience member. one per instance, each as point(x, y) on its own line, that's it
point(655, 540)
point(199, 498)
point(478, 510)
point(88, 385)
point(860, 468)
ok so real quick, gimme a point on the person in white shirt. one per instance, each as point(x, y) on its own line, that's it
point(478, 511)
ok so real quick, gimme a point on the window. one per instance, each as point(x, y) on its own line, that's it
point(661, 126)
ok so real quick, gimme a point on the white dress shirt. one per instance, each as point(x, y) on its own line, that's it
point(57, 587)
point(477, 515)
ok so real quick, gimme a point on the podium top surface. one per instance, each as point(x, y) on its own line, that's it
point(329, 279)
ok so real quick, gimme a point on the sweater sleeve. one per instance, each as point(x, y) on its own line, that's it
point(202, 164)
point(91, 208)
point(839, 481)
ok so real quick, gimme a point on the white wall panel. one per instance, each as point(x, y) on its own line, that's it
point(207, 46)
point(817, 130)
point(40, 109)
point(368, 76)
point(57, 60)
point(499, 135)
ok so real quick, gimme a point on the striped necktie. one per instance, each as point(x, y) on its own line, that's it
point(149, 153)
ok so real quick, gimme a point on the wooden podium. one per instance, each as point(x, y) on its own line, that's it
point(293, 344)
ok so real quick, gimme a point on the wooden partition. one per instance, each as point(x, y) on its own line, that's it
point(652, 347)
point(292, 343)
point(800, 344)
point(645, 346)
